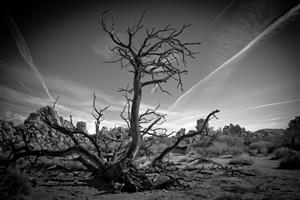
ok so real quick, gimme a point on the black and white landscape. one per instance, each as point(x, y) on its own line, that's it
point(150, 99)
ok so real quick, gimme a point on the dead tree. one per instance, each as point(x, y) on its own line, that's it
point(157, 58)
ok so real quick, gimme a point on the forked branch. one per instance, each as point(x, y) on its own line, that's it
point(184, 136)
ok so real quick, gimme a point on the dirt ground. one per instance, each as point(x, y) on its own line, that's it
point(259, 181)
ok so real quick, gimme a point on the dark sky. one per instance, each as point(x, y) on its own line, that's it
point(257, 89)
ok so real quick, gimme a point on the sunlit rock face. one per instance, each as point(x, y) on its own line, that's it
point(50, 113)
point(33, 117)
point(81, 126)
point(200, 123)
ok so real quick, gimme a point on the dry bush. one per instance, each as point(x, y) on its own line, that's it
point(290, 161)
point(260, 147)
point(199, 152)
point(14, 184)
point(241, 161)
point(231, 140)
point(201, 143)
point(236, 150)
point(224, 144)
point(216, 149)
point(281, 152)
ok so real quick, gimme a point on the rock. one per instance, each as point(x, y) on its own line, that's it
point(39, 174)
point(33, 181)
point(76, 173)
point(60, 176)
point(81, 126)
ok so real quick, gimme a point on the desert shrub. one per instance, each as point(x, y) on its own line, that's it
point(179, 151)
point(282, 152)
point(241, 161)
point(260, 147)
point(200, 152)
point(216, 149)
point(157, 148)
point(236, 150)
point(231, 140)
point(14, 184)
point(202, 142)
point(290, 161)
point(253, 152)
point(292, 133)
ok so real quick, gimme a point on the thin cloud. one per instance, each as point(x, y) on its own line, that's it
point(103, 46)
point(25, 52)
point(103, 49)
point(272, 119)
point(221, 14)
point(269, 29)
point(25, 87)
point(160, 110)
point(12, 97)
point(11, 116)
point(16, 96)
point(76, 90)
point(273, 104)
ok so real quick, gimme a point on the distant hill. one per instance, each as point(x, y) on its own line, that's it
point(268, 132)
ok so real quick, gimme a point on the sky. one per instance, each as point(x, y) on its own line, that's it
point(247, 66)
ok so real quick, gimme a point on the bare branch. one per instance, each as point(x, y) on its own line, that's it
point(169, 149)
point(55, 102)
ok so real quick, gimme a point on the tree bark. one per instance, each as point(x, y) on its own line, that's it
point(134, 120)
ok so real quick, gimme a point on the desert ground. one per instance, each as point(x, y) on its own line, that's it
point(197, 179)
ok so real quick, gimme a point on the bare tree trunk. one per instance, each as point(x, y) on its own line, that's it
point(134, 121)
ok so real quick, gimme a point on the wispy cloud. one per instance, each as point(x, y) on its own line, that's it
point(269, 29)
point(273, 104)
point(272, 119)
point(29, 103)
point(221, 14)
point(77, 92)
point(11, 116)
point(160, 110)
point(103, 46)
point(25, 52)
point(25, 87)
point(13, 95)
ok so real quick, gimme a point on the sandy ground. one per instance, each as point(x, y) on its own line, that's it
point(259, 181)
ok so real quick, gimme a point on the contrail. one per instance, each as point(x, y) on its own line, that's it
point(25, 52)
point(273, 119)
point(18, 81)
point(220, 15)
point(25, 87)
point(266, 31)
point(273, 104)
